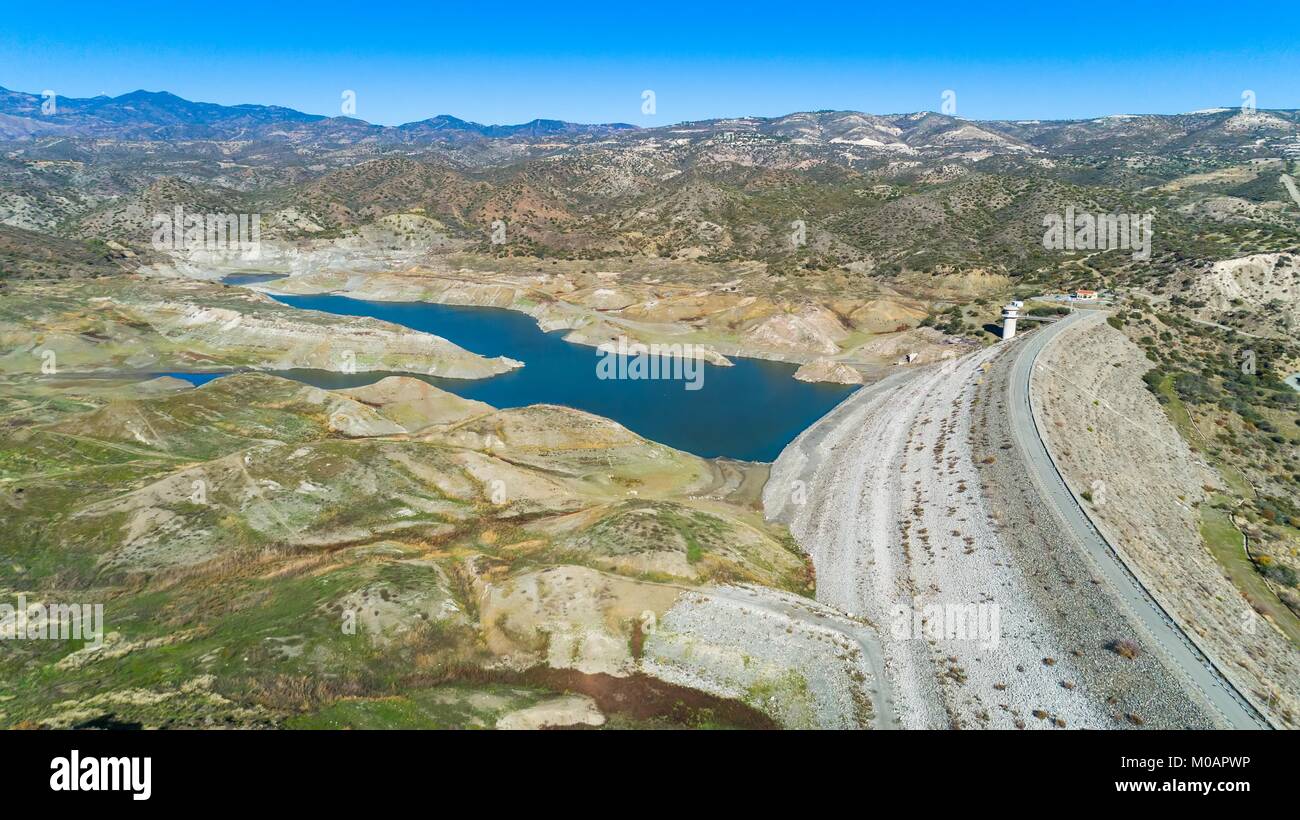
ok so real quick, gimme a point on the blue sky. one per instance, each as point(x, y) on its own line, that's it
point(498, 62)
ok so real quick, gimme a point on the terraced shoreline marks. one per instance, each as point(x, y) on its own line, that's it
point(690, 405)
point(717, 318)
point(884, 494)
point(1145, 538)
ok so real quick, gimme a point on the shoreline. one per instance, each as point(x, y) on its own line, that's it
point(552, 313)
point(879, 371)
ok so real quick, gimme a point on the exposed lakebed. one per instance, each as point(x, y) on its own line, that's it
point(749, 411)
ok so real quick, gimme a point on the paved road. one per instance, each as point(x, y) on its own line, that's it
point(1178, 649)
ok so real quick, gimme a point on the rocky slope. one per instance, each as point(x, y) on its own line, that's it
point(1259, 293)
point(825, 370)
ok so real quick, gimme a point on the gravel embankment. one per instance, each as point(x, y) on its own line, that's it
point(885, 495)
point(799, 661)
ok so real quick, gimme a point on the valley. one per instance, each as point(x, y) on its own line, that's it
point(368, 472)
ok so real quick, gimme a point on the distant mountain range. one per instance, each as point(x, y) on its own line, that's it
point(162, 116)
point(881, 194)
point(159, 115)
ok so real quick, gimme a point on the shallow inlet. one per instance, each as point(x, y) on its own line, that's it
point(749, 411)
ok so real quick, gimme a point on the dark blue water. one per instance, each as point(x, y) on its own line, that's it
point(749, 411)
point(195, 379)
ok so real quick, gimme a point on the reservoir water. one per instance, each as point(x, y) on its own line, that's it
point(749, 411)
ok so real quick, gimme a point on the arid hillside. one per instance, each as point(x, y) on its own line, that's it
point(273, 554)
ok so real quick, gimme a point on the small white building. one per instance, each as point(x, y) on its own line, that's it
point(1009, 315)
